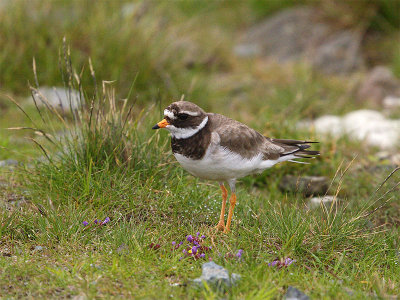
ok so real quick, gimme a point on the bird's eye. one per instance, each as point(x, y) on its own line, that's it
point(183, 116)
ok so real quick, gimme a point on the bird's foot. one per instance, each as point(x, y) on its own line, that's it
point(220, 226)
point(227, 230)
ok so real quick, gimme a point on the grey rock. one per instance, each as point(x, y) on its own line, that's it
point(282, 35)
point(57, 97)
point(379, 84)
point(247, 50)
point(39, 248)
point(216, 276)
point(294, 294)
point(299, 33)
point(8, 162)
point(339, 54)
point(308, 185)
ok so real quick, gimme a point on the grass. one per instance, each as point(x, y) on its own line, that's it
point(109, 163)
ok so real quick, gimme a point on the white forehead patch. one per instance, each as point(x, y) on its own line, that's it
point(169, 114)
point(184, 133)
point(190, 113)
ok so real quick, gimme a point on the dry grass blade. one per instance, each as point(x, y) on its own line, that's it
point(21, 109)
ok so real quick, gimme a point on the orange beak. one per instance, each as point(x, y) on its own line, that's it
point(162, 124)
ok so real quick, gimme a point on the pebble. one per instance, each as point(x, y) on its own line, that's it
point(326, 200)
point(8, 162)
point(216, 275)
point(308, 185)
point(294, 294)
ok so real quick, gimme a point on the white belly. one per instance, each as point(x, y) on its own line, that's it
point(221, 164)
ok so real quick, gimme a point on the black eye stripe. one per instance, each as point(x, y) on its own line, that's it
point(183, 116)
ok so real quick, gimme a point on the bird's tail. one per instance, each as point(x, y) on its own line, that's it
point(297, 148)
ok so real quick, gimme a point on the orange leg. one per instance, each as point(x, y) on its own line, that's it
point(221, 223)
point(232, 201)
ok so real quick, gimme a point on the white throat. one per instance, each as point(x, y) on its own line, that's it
point(184, 133)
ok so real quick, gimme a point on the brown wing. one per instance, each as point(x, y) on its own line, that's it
point(247, 142)
point(242, 139)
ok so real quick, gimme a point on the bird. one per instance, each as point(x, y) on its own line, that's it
point(214, 147)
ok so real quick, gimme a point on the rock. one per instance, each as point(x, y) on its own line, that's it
point(39, 248)
point(298, 33)
point(247, 50)
point(391, 102)
point(325, 200)
point(294, 294)
point(308, 185)
point(216, 276)
point(365, 125)
point(339, 54)
point(8, 162)
point(379, 84)
point(329, 124)
point(58, 97)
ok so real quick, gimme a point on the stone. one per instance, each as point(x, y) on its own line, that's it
point(299, 33)
point(329, 124)
point(391, 102)
point(294, 294)
point(59, 97)
point(369, 126)
point(339, 54)
point(8, 162)
point(379, 84)
point(216, 275)
point(39, 248)
point(307, 185)
point(326, 200)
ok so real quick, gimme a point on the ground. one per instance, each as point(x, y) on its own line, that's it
point(115, 166)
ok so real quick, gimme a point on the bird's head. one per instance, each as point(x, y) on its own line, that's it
point(183, 119)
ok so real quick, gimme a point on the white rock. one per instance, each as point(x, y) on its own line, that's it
point(58, 97)
point(326, 200)
point(329, 124)
point(391, 102)
point(365, 125)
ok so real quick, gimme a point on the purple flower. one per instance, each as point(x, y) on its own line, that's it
point(97, 221)
point(281, 263)
point(180, 244)
point(196, 243)
point(194, 249)
point(239, 254)
point(105, 221)
point(184, 251)
point(288, 261)
point(203, 237)
point(202, 255)
point(173, 243)
point(274, 263)
point(189, 238)
point(85, 223)
point(198, 234)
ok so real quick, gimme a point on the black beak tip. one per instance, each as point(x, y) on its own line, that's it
point(155, 127)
